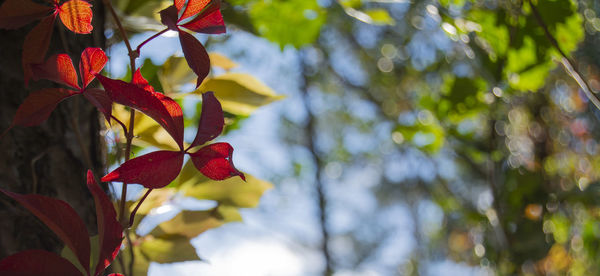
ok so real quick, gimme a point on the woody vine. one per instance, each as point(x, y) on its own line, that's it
point(154, 170)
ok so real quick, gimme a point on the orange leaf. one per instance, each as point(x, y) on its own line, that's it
point(194, 7)
point(58, 68)
point(76, 15)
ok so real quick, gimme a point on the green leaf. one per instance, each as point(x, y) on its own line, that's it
point(193, 223)
point(267, 18)
point(168, 249)
point(239, 94)
point(233, 191)
point(380, 17)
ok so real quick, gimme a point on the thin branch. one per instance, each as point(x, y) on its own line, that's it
point(139, 47)
point(132, 216)
point(566, 61)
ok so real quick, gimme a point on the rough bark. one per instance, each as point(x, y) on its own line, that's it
point(48, 159)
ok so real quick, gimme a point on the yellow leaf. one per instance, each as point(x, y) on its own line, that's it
point(221, 61)
point(239, 93)
point(233, 191)
point(192, 223)
point(168, 249)
point(147, 132)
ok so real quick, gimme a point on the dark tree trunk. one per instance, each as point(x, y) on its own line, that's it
point(49, 159)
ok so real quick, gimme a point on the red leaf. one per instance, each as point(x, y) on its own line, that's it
point(77, 15)
point(100, 99)
point(168, 17)
point(210, 24)
point(115, 274)
point(91, 63)
point(37, 262)
point(153, 170)
point(15, 14)
point(58, 68)
point(194, 7)
point(179, 4)
point(214, 161)
point(38, 105)
point(36, 45)
point(141, 82)
point(211, 120)
point(110, 233)
point(61, 219)
point(195, 55)
point(161, 108)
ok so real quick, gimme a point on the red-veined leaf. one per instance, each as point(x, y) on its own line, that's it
point(211, 120)
point(92, 62)
point(61, 219)
point(194, 7)
point(153, 170)
point(210, 24)
point(15, 14)
point(58, 68)
point(215, 162)
point(161, 108)
point(37, 262)
point(36, 45)
point(38, 105)
point(168, 17)
point(195, 55)
point(76, 15)
point(141, 82)
point(100, 99)
point(110, 233)
point(115, 274)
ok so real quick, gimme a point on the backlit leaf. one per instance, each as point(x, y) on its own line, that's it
point(215, 161)
point(76, 15)
point(153, 170)
point(162, 109)
point(233, 191)
point(61, 219)
point(218, 60)
point(168, 249)
point(193, 223)
point(239, 93)
point(91, 63)
point(58, 68)
point(212, 23)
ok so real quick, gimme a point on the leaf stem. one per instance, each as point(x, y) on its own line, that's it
point(566, 61)
point(132, 216)
point(132, 57)
point(139, 47)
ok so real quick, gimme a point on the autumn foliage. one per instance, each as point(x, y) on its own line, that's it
point(153, 170)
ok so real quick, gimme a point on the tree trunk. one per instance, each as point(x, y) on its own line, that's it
point(49, 159)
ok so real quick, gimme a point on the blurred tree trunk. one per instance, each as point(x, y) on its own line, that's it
point(49, 159)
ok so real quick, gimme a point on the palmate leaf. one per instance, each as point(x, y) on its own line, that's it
point(153, 170)
point(162, 109)
point(76, 15)
point(215, 162)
